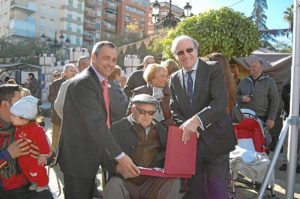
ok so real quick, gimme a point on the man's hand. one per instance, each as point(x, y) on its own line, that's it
point(190, 126)
point(270, 123)
point(127, 168)
point(246, 98)
point(18, 148)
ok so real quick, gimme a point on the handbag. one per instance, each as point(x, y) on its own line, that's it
point(236, 114)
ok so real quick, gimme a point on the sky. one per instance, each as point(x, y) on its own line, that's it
point(274, 12)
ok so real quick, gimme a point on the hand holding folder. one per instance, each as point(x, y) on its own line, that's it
point(180, 160)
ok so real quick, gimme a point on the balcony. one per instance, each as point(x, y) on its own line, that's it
point(22, 28)
point(89, 25)
point(90, 13)
point(111, 18)
point(78, 22)
point(88, 37)
point(71, 8)
point(29, 7)
point(91, 3)
point(111, 5)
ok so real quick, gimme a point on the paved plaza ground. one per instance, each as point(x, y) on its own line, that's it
point(241, 193)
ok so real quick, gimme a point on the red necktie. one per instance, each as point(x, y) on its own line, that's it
point(106, 100)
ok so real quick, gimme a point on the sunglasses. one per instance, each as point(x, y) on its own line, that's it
point(144, 112)
point(188, 50)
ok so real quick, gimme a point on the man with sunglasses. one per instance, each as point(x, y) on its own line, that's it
point(198, 102)
point(143, 140)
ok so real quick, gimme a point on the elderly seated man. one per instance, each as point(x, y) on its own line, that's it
point(144, 141)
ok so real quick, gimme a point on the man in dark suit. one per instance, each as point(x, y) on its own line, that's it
point(136, 78)
point(85, 135)
point(198, 104)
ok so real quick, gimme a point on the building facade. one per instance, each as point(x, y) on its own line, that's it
point(81, 22)
point(105, 19)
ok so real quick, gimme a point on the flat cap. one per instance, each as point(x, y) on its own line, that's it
point(144, 99)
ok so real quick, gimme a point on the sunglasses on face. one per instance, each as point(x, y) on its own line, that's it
point(188, 50)
point(144, 112)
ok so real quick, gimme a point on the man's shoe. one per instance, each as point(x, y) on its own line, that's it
point(283, 167)
point(298, 169)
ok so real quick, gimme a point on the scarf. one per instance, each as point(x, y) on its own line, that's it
point(7, 132)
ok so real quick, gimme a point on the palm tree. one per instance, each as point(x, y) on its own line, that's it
point(259, 17)
point(289, 16)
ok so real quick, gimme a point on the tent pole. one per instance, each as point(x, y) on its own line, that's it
point(293, 120)
point(277, 150)
point(294, 102)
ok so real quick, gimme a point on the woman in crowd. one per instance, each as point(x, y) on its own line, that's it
point(156, 77)
point(230, 85)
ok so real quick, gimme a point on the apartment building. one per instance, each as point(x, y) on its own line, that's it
point(92, 22)
point(33, 18)
point(17, 18)
point(82, 22)
point(103, 19)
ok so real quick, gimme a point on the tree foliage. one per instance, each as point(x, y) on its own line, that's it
point(226, 31)
point(289, 16)
point(25, 50)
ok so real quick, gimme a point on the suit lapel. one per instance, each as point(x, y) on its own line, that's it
point(99, 87)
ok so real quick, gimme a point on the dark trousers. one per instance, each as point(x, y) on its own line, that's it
point(25, 193)
point(211, 178)
point(78, 188)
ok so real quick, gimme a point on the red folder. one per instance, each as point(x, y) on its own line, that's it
point(180, 160)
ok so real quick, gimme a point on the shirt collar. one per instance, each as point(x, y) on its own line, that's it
point(100, 77)
point(194, 68)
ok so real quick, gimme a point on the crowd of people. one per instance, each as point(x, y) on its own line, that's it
point(99, 122)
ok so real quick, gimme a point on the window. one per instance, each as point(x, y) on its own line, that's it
point(70, 3)
point(80, 6)
point(78, 41)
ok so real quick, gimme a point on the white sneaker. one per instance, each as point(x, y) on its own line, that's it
point(32, 187)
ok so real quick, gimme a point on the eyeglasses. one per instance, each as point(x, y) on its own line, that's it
point(144, 112)
point(188, 50)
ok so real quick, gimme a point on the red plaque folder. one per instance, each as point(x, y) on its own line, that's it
point(180, 160)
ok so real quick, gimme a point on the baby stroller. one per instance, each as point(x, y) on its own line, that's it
point(249, 161)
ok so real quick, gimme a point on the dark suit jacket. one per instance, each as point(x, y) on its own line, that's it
point(209, 91)
point(84, 134)
point(126, 136)
point(53, 92)
point(135, 80)
point(118, 101)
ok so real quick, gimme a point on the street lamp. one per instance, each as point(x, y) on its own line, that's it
point(169, 20)
point(55, 44)
point(187, 12)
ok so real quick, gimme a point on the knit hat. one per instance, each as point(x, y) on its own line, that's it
point(26, 107)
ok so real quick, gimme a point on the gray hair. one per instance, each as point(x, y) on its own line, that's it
point(180, 38)
point(82, 58)
point(68, 66)
point(99, 45)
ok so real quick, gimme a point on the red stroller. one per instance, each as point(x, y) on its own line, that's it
point(250, 131)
